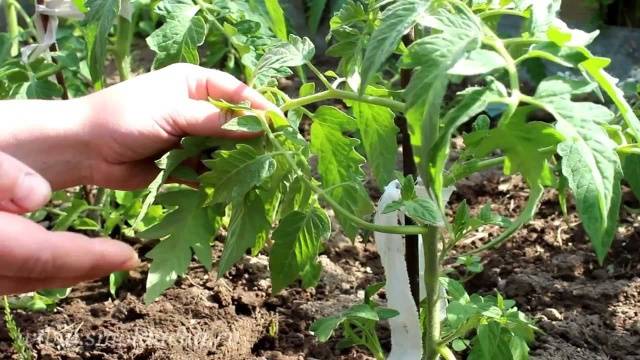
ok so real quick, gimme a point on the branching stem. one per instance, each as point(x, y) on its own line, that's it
point(330, 94)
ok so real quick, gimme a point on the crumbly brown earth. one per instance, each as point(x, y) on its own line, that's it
point(584, 310)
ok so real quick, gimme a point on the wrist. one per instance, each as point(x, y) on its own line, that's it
point(50, 137)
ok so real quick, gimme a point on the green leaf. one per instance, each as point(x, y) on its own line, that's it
point(178, 39)
point(436, 151)
point(116, 280)
point(431, 58)
point(361, 311)
point(189, 227)
point(296, 52)
point(36, 89)
point(323, 328)
point(519, 348)
point(397, 19)
point(100, 19)
point(479, 61)
point(278, 24)
point(246, 123)
point(191, 146)
point(595, 68)
point(492, 342)
point(80, 5)
point(458, 345)
point(520, 143)
point(307, 89)
point(544, 12)
point(423, 211)
point(379, 133)
point(563, 36)
point(5, 47)
point(296, 245)
point(386, 314)
point(248, 222)
point(555, 86)
point(72, 213)
point(339, 164)
point(564, 56)
point(371, 290)
point(591, 165)
point(234, 173)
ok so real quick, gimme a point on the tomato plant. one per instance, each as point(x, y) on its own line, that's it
point(396, 60)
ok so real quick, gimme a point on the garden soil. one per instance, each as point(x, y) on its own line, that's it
point(584, 311)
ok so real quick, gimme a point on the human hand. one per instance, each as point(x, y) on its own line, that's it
point(33, 258)
point(134, 122)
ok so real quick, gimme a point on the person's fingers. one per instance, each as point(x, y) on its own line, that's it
point(200, 118)
point(27, 250)
point(16, 285)
point(133, 175)
point(216, 84)
point(21, 188)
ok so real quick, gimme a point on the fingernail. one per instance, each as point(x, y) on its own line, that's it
point(32, 191)
point(121, 253)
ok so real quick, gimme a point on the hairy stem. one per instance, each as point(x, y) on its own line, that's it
point(11, 17)
point(431, 330)
point(394, 105)
point(124, 38)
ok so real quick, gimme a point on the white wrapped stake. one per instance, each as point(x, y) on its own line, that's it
point(406, 337)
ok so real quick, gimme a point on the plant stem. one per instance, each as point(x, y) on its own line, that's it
point(124, 38)
point(394, 105)
point(412, 244)
point(500, 12)
point(320, 76)
point(431, 330)
point(461, 171)
point(446, 353)
point(11, 17)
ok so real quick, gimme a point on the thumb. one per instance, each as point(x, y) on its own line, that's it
point(201, 118)
point(21, 188)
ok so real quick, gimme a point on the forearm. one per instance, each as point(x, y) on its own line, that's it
point(49, 137)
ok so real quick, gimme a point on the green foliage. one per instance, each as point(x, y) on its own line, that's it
point(501, 330)
point(178, 39)
point(278, 24)
point(296, 245)
point(358, 324)
point(339, 164)
point(233, 173)
point(248, 222)
point(397, 20)
point(100, 19)
point(378, 132)
point(187, 229)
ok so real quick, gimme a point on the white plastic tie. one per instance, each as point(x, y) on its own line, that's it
point(54, 9)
